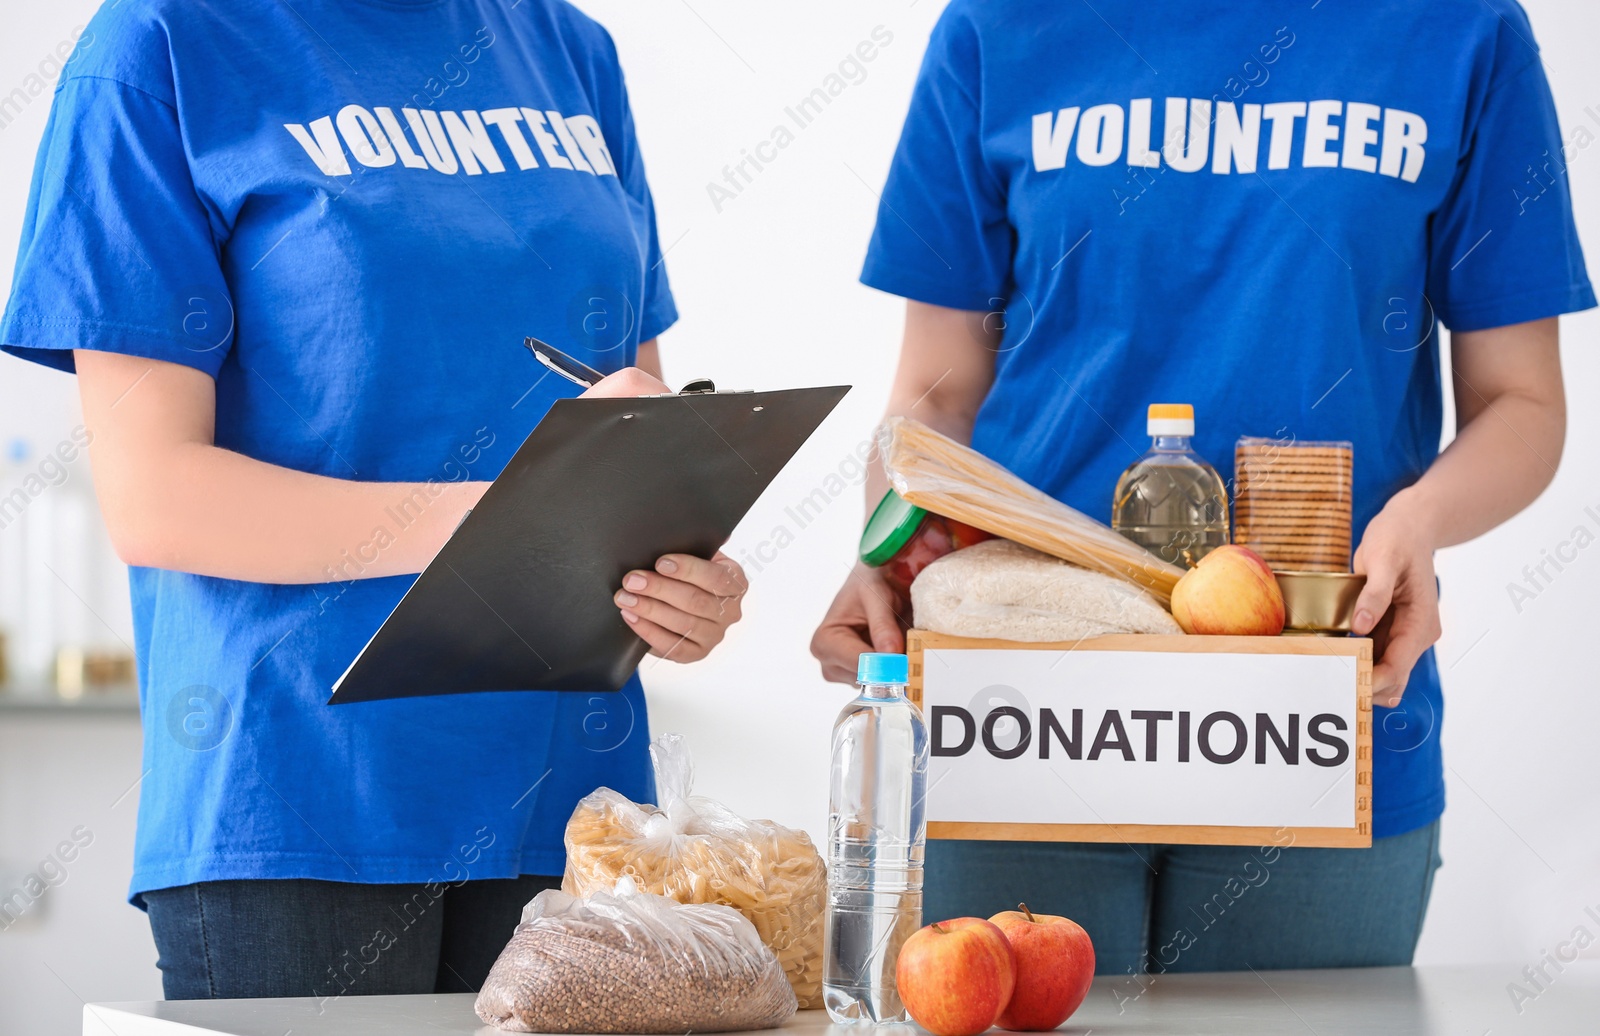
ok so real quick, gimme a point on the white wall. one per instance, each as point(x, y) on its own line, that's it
point(768, 292)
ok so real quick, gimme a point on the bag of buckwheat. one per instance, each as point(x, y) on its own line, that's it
point(696, 850)
point(630, 962)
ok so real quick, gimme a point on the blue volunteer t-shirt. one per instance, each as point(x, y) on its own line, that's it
point(349, 212)
point(1266, 212)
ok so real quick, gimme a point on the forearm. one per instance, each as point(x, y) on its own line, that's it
point(197, 508)
point(1511, 429)
point(1496, 466)
point(649, 358)
point(945, 370)
point(956, 424)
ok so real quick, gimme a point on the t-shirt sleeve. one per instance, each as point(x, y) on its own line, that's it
point(117, 251)
point(942, 235)
point(1504, 248)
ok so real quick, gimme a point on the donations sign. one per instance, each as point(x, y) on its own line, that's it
point(1204, 740)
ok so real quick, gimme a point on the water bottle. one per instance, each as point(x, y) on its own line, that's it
point(876, 832)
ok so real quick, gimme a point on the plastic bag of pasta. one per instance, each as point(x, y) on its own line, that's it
point(629, 962)
point(696, 850)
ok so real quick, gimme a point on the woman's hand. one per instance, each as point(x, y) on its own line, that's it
point(684, 608)
point(1399, 608)
point(863, 617)
point(1511, 419)
point(629, 381)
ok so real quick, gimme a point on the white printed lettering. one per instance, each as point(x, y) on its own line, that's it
point(1403, 136)
point(1319, 134)
point(505, 120)
point(1237, 139)
point(1282, 115)
point(1359, 134)
point(1050, 143)
point(431, 139)
point(364, 137)
point(472, 142)
point(1139, 153)
point(322, 144)
point(397, 137)
point(593, 143)
point(541, 136)
point(570, 146)
point(1100, 135)
point(1187, 141)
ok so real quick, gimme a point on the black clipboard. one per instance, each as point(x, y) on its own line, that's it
point(520, 597)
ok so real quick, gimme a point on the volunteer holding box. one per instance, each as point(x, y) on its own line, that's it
point(1272, 228)
point(292, 253)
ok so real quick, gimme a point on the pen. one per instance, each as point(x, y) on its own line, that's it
point(575, 371)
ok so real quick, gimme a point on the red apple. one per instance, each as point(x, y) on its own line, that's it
point(1055, 964)
point(955, 977)
point(1231, 590)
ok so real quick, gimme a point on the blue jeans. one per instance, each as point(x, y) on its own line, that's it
point(327, 939)
point(1160, 908)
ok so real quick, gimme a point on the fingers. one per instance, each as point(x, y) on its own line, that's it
point(684, 608)
point(721, 575)
point(882, 622)
point(684, 589)
point(629, 381)
point(664, 643)
point(660, 598)
point(1412, 630)
point(1375, 596)
point(861, 618)
point(837, 648)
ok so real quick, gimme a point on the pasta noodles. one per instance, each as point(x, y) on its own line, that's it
point(938, 473)
point(695, 850)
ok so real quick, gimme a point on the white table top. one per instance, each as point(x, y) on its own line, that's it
point(1455, 1001)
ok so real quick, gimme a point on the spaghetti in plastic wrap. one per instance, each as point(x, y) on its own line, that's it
point(629, 962)
point(937, 473)
point(696, 850)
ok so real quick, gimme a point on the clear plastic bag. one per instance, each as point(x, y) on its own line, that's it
point(696, 850)
point(1003, 590)
point(1292, 502)
point(938, 473)
point(630, 962)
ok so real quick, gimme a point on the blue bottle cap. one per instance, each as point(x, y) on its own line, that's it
point(876, 668)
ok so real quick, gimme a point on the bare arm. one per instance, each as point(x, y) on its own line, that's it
point(173, 499)
point(945, 371)
point(649, 359)
point(1510, 429)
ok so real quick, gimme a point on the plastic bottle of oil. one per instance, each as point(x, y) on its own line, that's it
point(1170, 501)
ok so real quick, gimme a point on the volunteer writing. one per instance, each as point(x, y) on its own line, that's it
point(292, 253)
point(1271, 213)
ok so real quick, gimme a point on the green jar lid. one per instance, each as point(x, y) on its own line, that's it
point(891, 527)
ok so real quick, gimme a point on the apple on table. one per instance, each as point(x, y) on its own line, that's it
point(955, 977)
point(1055, 965)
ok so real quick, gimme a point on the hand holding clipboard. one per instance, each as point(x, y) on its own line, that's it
point(520, 597)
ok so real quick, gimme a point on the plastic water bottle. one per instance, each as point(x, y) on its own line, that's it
point(876, 832)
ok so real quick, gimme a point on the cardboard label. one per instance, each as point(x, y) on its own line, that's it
point(1133, 737)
